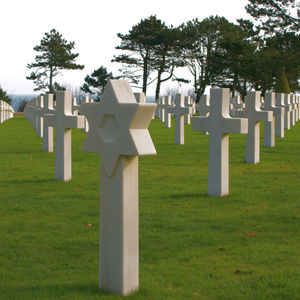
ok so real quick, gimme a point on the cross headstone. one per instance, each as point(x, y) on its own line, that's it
point(219, 124)
point(29, 112)
point(158, 109)
point(48, 130)
point(85, 99)
point(2, 107)
point(298, 105)
point(280, 102)
point(276, 126)
point(237, 104)
point(75, 107)
point(168, 114)
point(39, 115)
point(288, 111)
point(294, 110)
point(254, 115)
point(163, 106)
point(188, 103)
point(203, 106)
point(180, 111)
point(118, 131)
point(63, 121)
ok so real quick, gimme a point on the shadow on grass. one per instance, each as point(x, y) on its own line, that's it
point(53, 291)
point(19, 151)
point(185, 195)
point(33, 180)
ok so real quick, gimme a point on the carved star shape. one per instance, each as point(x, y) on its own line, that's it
point(118, 125)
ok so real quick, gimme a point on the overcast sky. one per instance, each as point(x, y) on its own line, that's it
point(93, 26)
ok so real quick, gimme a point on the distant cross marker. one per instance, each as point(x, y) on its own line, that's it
point(39, 115)
point(279, 102)
point(119, 132)
point(219, 124)
point(203, 107)
point(48, 130)
point(288, 111)
point(180, 111)
point(254, 115)
point(63, 121)
point(168, 114)
point(188, 103)
point(276, 126)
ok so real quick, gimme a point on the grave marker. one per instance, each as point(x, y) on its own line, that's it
point(118, 131)
point(219, 124)
point(188, 103)
point(39, 115)
point(180, 111)
point(276, 126)
point(254, 115)
point(48, 130)
point(63, 121)
point(168, 114)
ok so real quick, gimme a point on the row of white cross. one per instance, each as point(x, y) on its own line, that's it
point(118, 131)
point(220, 115)
point(6, 111)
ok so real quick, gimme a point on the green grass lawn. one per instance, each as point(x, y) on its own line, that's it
point(192, 246)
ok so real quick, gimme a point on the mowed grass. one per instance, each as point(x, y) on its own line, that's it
point(192, 246)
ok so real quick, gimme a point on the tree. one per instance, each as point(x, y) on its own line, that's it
point(201, 50)
point(275, 15)
point(238, 44)
point(285, 48)
point(167, 50)
point(22, 106)
point(96, 82)
point(55, 55)
point(4, 96)
point(137, 43)
point(280, 19)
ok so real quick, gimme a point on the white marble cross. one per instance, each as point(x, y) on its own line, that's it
point(158, 109)
point(298, 105)
point(39, 115)
point(295, 109)
point(219, 124)
point(29, 112)
point(276, 126)
point(288, 111)
point(237, 104)
point(63, 121)
point(168, 114)
point(254, 115)
point(48, 130)
point(180, 111)
point(85, 99)
point(119, 132)
point(75, 107)
point(203, 106)
point(188, 103)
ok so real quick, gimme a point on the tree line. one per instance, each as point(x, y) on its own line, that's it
point(216, 52)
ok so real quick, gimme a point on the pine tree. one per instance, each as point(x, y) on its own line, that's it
point(276, 15)
point(282, 84)
point(55, 55)
point(96, 82)
point(4, 96)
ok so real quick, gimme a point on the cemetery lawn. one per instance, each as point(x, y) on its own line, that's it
point(192, 246)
